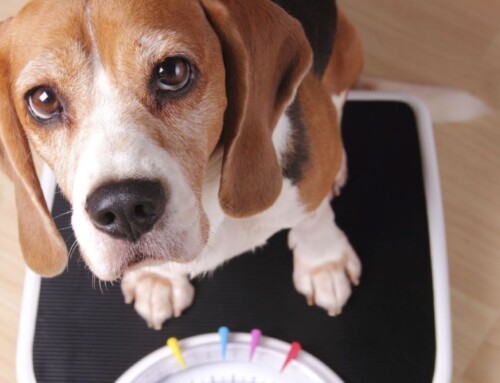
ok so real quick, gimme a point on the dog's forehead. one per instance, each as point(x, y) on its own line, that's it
point(113, 28)
point(142, 23)
point(142, 14)
point(46, 24)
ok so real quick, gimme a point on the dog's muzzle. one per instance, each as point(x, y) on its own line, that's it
point(126, 209)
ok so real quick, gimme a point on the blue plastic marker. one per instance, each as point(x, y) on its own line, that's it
point(224, 336)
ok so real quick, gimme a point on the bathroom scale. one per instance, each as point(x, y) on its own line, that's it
point(247, 323)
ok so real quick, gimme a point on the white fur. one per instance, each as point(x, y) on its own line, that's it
point(339, 101)
point(341, 178)
point(281, 135)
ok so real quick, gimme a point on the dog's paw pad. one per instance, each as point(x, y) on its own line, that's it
point(157, 298)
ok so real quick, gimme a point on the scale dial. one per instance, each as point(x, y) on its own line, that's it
point(205, 364)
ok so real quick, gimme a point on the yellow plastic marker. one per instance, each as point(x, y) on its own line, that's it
point(173, 343)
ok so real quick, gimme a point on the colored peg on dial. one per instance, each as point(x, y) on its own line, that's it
point(224, 337)
point(256, 334)
point(173, 343)
point(295, 348)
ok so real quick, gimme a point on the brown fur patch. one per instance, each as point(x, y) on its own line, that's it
point(346, 62)
point(323, 131)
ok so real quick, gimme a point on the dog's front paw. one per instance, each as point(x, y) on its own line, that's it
point(327, 281)
point(157, 298)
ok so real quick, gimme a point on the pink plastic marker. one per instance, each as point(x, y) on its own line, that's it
point(295, 348)
point(256, 334)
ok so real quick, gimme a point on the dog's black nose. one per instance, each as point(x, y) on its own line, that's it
point(126, 209)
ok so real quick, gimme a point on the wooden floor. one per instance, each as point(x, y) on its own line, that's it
point(443, 42)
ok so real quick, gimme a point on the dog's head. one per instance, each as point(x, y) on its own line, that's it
point(127, 101)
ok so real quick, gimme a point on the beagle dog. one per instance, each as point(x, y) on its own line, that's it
point(183, 133)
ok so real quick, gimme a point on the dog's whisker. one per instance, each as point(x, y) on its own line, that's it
point(28, 156)
point(66, 228)
point(100, 287)
point(63, 214)
point(72, 249)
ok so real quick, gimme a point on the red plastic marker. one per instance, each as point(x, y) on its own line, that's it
point(295, 348)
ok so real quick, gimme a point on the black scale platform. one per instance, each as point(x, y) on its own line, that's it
point(385, 334)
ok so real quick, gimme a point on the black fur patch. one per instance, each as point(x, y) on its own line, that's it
point(319, 20)
point(297, 154)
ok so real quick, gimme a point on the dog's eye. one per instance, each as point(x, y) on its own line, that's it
point(44, 103)
point(173, 74)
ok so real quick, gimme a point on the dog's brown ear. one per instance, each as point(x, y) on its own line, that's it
point(266, 55)
point(43, 248)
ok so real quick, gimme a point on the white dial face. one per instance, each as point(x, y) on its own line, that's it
point(204, 364)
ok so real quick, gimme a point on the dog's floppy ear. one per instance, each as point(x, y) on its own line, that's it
point(266, 55)
point(43, 248)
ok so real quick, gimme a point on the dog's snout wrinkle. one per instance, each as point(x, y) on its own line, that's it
point(126, 209)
